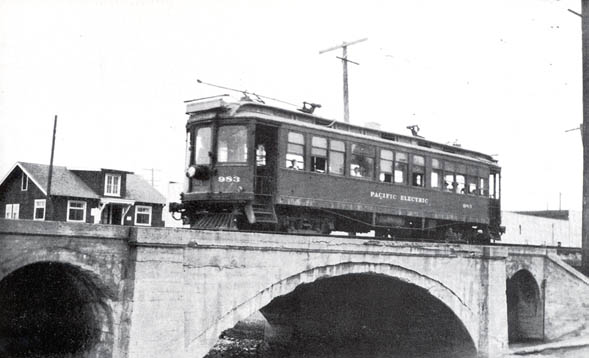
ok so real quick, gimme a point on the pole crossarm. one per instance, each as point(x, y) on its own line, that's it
point(344, 44)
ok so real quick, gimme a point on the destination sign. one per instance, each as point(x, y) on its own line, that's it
point(391, 196)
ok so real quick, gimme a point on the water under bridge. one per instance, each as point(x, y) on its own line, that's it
point(110, 291)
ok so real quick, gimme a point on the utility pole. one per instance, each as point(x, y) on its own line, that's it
point(344, 58)
point(152, 170)
point(49, 210)
point(584, 136)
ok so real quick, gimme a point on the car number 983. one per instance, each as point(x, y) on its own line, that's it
point(229, 179)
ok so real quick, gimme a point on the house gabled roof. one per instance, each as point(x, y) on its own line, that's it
point(66, 183)
point(139, 190)
point(63, 183)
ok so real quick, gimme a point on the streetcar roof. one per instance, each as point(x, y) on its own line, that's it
point(245, 109)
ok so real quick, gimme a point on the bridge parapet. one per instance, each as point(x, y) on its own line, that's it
point(167, 237)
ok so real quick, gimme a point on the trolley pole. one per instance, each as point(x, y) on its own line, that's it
point(585, 136)
point(344, 58)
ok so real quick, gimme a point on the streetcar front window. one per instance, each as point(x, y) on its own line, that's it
point(232, 144)
point(202, 146)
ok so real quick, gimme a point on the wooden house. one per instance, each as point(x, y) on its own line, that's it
point(103, 196)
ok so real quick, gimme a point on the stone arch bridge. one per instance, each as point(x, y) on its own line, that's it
point(159, 292)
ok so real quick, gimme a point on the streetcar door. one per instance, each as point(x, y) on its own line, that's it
point(266, 159)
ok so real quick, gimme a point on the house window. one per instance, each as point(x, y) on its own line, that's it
point(143, 215)
point(24, 182)
point(76, 211)
point(39, 209)
point(295, 151)
point(112, 185)
point(318, 154)
point(12, 211)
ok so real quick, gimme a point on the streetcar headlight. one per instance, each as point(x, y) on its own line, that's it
point(191, 171)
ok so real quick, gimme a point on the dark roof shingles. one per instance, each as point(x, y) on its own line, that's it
point(67, 183)
point(63, 183)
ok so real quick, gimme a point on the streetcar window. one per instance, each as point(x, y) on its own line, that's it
point(189, 149)
point(471, 185)
point(232, 144)
point(318, 154)
point(449, 182)
point(436, 175)
point(460, 178)
point(435, 179)
point(400, 168)
point(295, 151)
point(483, 187)
point(260, 155)
point(471, 180)
point(460, 184)
point(362, 161)
point(386, 166)
point(418, 171)
point(203, 146)
point(337, 150)
point(494, 187)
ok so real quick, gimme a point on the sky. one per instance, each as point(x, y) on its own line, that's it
point(500, 77)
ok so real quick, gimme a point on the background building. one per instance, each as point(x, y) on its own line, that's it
point(105, 196)
point(550, 227)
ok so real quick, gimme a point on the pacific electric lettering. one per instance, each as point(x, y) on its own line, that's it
point(389, 196)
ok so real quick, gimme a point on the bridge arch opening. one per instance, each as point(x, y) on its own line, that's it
point(525, 313)
point(51, 309)
point(359, 315)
